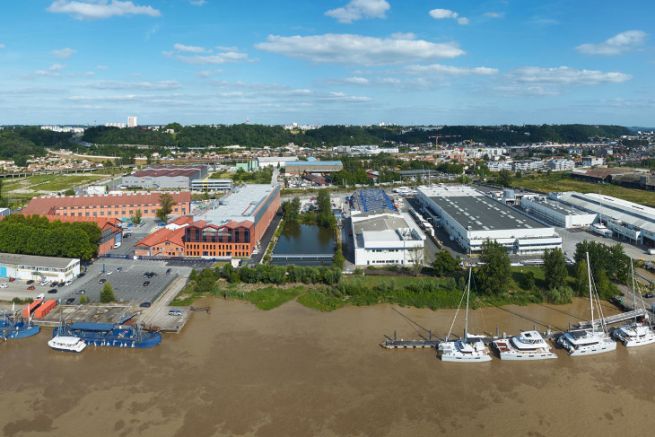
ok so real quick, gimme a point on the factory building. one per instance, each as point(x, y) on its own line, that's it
point(275, 161)
point(313, 166)
point(557, 213)
point(211, 185)
point(165, 178)
point(231, 227)
point(381, 234)
point(471, 218)
point(628, 220)
point(120, 206)
point(28, 267)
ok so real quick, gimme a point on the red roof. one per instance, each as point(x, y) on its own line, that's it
point(48, 205)
point(163, 235)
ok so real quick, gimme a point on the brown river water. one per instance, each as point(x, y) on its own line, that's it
point(293, 371)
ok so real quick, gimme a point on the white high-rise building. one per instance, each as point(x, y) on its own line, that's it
point(132, 121)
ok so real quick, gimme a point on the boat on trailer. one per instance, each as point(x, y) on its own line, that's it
point(470, 348)
point(528, 346)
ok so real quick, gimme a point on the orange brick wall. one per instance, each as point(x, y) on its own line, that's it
point(120, 211)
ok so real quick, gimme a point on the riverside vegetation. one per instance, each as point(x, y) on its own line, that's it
point(439, 286)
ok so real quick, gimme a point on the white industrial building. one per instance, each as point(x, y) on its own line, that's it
point(560, 164)
point(132, 121)
point(556, 212)
point(471, 218)
point(211, 185)
point(627, 220)
point(592, 161)
point(275, 161)
point(28, 267)
point(381, 234)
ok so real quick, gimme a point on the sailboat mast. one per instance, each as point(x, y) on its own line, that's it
point(591, 298)
point(634, 289)
point(466, 317)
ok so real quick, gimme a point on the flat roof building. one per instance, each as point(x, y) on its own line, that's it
point(211, 185)
point(471, 218)
point(275, 161)
point(381, 234)
point(626, 219)
point(28, 267)
point(165, 178)
point(557, 213)
point(313, 166)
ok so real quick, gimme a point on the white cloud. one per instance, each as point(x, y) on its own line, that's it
point(197, 2)
point(2, 46)
point(204, 56)
point(452, 70)
point(359, 9)
point(447, 14)
point(189, 49)
point(357, 80)
point(616, 45)
point(53, 70)
point(493, 14)
point(567, 76)
point(64, 53)
point(358, 49)
point(100, 9)
point(146, 85)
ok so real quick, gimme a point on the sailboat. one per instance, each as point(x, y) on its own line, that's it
point(469, 349)
point(593, 340)
point(635, 333)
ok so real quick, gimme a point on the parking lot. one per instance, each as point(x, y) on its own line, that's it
point(571, 237)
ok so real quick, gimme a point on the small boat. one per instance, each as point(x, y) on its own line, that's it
point(636, 333)
point(471, 348)
point(527, 346)
point(13, 328)
point(66, 343)
point(109, 335)
point(593, 340)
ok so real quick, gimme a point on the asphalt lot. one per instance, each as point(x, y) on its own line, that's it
point(571, 237)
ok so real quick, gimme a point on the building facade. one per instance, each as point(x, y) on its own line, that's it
point(471, 218)
point(557, 213)
point(120, 206)
point(27, 267)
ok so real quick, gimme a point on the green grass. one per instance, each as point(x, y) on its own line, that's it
point(267, 298)
point(48, 183)
point(321, 301)
point(561, 182)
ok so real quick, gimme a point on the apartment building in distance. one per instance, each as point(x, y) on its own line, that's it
point(120, 206)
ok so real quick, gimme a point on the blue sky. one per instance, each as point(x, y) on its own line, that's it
point(332, 61)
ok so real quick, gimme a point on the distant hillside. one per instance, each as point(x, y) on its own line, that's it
point(22, 143)
point(275, 136)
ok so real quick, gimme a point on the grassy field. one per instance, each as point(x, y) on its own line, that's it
point(47, 183)
point(559, 182)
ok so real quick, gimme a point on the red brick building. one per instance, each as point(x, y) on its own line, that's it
point(120, 206)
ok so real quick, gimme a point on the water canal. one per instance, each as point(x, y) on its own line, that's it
point(308, 245)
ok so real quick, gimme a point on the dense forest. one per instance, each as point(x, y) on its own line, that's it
point(22, 143)
point(275, 136)
point(38, 236)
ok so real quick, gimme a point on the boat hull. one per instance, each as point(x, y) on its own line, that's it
point(17, 334)
point(465, 359)
point(527, 356)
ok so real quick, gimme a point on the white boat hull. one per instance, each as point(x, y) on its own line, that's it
point(66, 347)
point(635, 342)
point(465, 359)
point(526, 356)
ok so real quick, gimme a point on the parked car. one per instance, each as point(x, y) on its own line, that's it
point(81, 291)
point(12, 279)
point(146, 283)
point(82, 274)
point(4, 285)
point(52, 291)
point(119, 269)
point(102, 281)
point(175, 313)
point(649, 295)
point(61, 283)
point(70, 300)
point(30, 282)
point(145, 305)
point(168, 270)
point(31, 288)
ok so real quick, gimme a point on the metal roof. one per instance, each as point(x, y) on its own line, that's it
point(35, 261)
point(373, 199)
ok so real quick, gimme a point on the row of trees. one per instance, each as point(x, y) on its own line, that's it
point(38, 236)
point(260, 135)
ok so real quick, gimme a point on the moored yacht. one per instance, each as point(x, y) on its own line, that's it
point(470, 348)
point(635, 333)
point(593, 340)
point(67, 343)
point(527, 346)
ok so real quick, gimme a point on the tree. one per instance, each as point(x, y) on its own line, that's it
point(291, 211)
point(493, 277)
point(504, 178)
point(136, 218)
point(167, 203)
point(325, 217)
point(555, 272)
point(582, 278)
point(445, 265)
point(107, 294)
point(84, 300)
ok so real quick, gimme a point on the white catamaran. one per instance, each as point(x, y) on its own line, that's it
point(593, 340)
point(469, 349)
point(635, 333)
point(528, 346)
